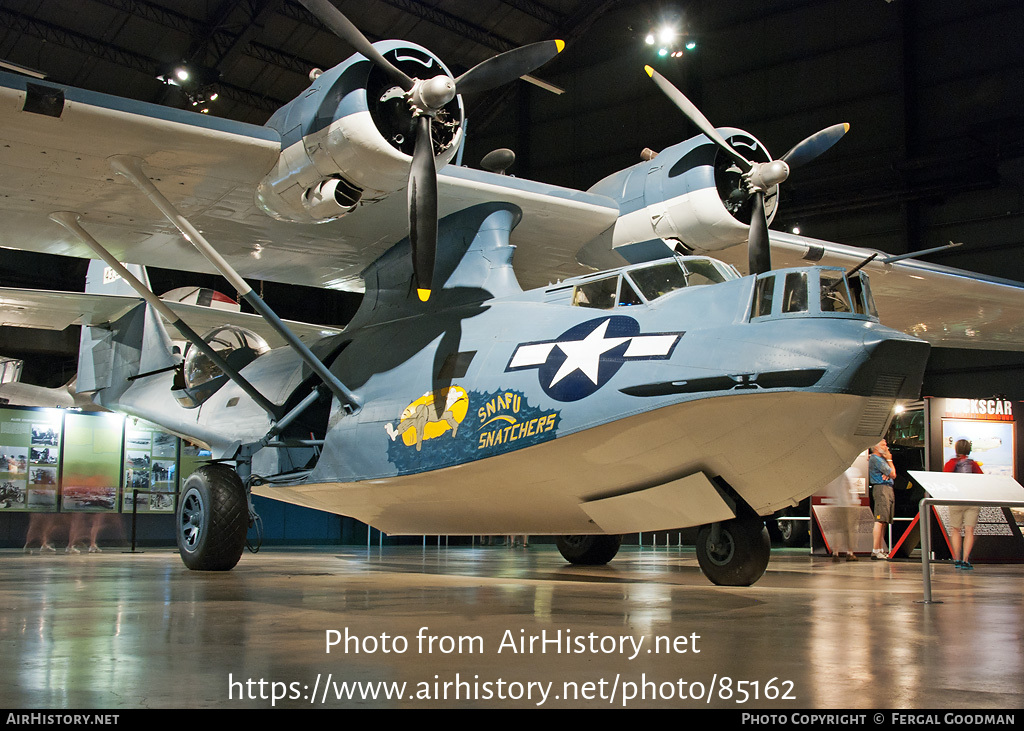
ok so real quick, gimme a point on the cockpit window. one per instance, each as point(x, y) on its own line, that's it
point(658, 280)
point(599, 294)
point(651, 282)
point(701, 271)
point(628, 295)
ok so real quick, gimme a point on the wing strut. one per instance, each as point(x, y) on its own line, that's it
point(131, 168)
point(70, 221)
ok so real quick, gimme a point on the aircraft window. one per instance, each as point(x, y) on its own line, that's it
point(236, 345)
point(834, 296)
point(599, 294)
point(869, 301)
point(702, 271)
point(763, 297)
point(794, 298)
point(658, 280)
point(628, 295)
point(856, 294)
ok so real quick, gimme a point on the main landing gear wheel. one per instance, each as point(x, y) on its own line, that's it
point(212, 519)
point(740, 556)
point(793, 533)
point(588, 550)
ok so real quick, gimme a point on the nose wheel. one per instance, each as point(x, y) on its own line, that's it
point(588, 550)
point(737, 555)
point(213, 518)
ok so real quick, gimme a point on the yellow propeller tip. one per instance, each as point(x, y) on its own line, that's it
point(650, 71)
point(423, 294)
point(846, 127)
point(559, 45)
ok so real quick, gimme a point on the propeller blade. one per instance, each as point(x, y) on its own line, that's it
point(423, 208)
point(759, 253)
point(507, 66)
point(342, 27)
point(694, 115)
point(815, 145)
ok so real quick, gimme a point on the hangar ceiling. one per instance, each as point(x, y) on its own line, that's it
point(933, 90)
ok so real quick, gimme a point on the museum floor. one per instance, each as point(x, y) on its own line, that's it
point(113, 630)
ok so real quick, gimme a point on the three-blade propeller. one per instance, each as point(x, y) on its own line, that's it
point(426, 97)
point(758, 177)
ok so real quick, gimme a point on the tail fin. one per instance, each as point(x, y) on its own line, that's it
point(112, 352)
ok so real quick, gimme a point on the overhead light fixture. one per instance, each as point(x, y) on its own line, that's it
point(690, 45)
point(649, 40)
point(181, 73)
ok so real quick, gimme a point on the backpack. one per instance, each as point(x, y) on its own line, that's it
point(964, 465)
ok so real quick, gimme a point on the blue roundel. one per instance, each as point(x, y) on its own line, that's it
point(586, 357)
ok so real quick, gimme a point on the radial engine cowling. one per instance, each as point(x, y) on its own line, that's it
point(349, 138)
point(689, 193)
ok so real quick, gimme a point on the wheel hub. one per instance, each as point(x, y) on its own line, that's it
point(721, 553)
point(191, 519)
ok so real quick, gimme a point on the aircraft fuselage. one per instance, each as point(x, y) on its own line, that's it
point(527, 413)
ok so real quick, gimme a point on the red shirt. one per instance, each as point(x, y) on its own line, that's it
point(970, 466)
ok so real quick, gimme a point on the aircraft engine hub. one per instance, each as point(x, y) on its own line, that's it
point(732, 190)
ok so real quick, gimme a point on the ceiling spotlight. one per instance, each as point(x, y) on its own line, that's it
point(662, 52)
point(667, 34)
point(795, 229)
point(690, 45)
point(649, 40)
point(181, 73)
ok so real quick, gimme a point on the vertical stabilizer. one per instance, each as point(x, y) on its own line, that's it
point(112, 352)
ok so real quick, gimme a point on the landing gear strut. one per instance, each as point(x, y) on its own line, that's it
point(588, 550)
point(736, 554)
point(212, 519)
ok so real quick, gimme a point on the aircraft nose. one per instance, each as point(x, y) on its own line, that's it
point(894, 366)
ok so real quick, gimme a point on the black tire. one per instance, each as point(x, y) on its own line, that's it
point(741, 556)
point(212, 519)
point(793, 532)
point(588, 550)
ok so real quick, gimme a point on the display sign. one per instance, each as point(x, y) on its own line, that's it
point(990, 424)
point(30, 444)
point(997, 537)
point(150, 466)
point(92, 462)
point(56, 459)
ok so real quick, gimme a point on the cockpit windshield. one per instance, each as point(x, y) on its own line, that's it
point(658, 280)
point(648, 283)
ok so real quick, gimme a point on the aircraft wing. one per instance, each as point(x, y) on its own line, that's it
point(947, 307)
point(55, 145)
point(46, 310)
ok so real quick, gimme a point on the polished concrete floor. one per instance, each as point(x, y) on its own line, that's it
point(445, 627)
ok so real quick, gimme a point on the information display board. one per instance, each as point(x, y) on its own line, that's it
point(30, 442)
point(91, 462)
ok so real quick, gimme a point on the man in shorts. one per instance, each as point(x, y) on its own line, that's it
point(881, 475)
point(962, 516)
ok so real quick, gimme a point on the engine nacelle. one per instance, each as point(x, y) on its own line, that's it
point(691, 193)
point(349, 138)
